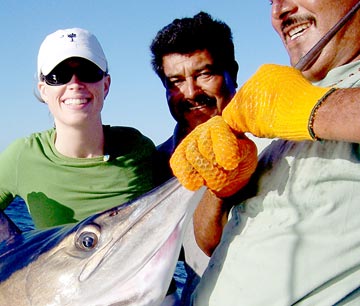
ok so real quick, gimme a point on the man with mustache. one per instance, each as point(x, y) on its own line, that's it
point(194, 58)
point(294, 238)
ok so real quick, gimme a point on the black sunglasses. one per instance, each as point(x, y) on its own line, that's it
point(85, 71)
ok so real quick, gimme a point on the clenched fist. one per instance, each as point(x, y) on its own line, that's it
point(212, 155)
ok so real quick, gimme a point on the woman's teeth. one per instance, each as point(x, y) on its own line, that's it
point(75, 101)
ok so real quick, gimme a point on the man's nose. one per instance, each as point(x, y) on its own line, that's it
point(191, 88)
point(280, 8)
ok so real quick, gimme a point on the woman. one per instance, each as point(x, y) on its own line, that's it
point(80, 166)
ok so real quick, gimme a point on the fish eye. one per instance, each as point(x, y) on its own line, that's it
point(87, 240)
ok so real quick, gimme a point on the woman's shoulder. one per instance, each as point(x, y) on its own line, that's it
point(43, 138)
point(32, 144)
point(122, 130)
point(37, 137)
point(126, 140)
point(125, 134)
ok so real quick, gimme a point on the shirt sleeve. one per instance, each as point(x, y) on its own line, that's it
point(8, 174)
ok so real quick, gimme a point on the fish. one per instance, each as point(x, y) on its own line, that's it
point(125, 255)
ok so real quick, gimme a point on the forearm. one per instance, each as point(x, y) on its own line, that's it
point(210, 218)
point(338, 116)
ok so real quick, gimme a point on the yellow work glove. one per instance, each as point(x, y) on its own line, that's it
point(277, 101)
point(212, 155)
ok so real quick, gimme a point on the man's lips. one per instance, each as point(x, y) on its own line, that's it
point(197, 107)
point(294, 26)
point(295, 31)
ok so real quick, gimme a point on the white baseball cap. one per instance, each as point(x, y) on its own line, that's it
point(66, 43)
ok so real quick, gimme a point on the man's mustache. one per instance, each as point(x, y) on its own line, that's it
point(198, 102)
point(297, 20)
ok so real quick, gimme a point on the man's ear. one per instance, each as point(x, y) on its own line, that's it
point(234, 73)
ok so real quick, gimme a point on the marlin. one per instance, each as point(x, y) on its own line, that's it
point(123, 256)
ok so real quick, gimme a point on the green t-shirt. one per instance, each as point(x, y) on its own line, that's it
point(58, 189)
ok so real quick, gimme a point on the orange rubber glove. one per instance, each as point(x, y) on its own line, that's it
point(212, 155)
point(277, 101)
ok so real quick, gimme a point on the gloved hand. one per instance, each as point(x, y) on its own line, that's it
point(212, 155)
point(277, 101)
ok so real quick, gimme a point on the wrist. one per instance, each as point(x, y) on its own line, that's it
point(314, 111)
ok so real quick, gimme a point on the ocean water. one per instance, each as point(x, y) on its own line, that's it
point(19, 214)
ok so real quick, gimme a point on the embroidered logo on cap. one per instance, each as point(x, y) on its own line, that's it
point(72, 35)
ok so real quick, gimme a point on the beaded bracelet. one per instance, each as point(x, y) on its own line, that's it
point(314, 111)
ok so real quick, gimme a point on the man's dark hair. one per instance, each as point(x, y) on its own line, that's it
point(187, 35)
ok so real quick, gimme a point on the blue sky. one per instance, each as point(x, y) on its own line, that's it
point(125, 30)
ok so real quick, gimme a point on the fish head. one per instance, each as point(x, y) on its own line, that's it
point(123, 256)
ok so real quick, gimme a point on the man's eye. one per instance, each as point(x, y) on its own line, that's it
point(204, 75)
point(174, 82)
